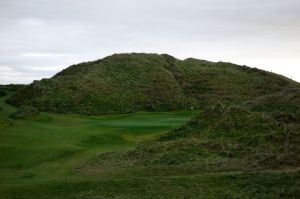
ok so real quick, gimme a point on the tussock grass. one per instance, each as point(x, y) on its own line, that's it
point(124, 83)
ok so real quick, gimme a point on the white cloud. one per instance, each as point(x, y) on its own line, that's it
point(32, 22)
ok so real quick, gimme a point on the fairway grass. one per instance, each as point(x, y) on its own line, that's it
point(48, 148)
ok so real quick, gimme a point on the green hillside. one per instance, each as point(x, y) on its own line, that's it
point(260, 136)
point(124, 83)
point(242, 141)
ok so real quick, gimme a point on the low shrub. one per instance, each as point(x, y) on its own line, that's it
point(24, 112)
point(2, 93)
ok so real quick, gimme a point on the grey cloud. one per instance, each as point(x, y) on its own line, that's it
point(40, 37)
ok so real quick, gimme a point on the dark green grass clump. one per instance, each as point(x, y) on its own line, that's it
point(10, 88)
point(25, 112)
point(279, 104)
point(5, 90)
point(2, 93)
point(235, 132)
point(125, 83)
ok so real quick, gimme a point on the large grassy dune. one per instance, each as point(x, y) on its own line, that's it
point(124, 83)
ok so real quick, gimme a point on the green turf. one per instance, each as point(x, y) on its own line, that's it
point(50, 156)
point(48, 147)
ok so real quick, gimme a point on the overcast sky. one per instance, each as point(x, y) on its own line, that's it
point(38, 38)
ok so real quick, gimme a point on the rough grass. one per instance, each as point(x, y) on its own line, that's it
point(230, 185)
point(285, 102)
point(125, 83)
point(220, 139)
point(25, 112)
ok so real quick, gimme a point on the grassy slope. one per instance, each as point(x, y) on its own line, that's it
point(116, 84)
point(49, 156)
point(260, 138)
point(262, 133)
point(52, 142)
point(125, 83)
point(40, 151)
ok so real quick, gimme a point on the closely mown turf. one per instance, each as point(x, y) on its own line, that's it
point(41, 151)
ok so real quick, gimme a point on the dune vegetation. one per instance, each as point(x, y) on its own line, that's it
point(124, 83)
